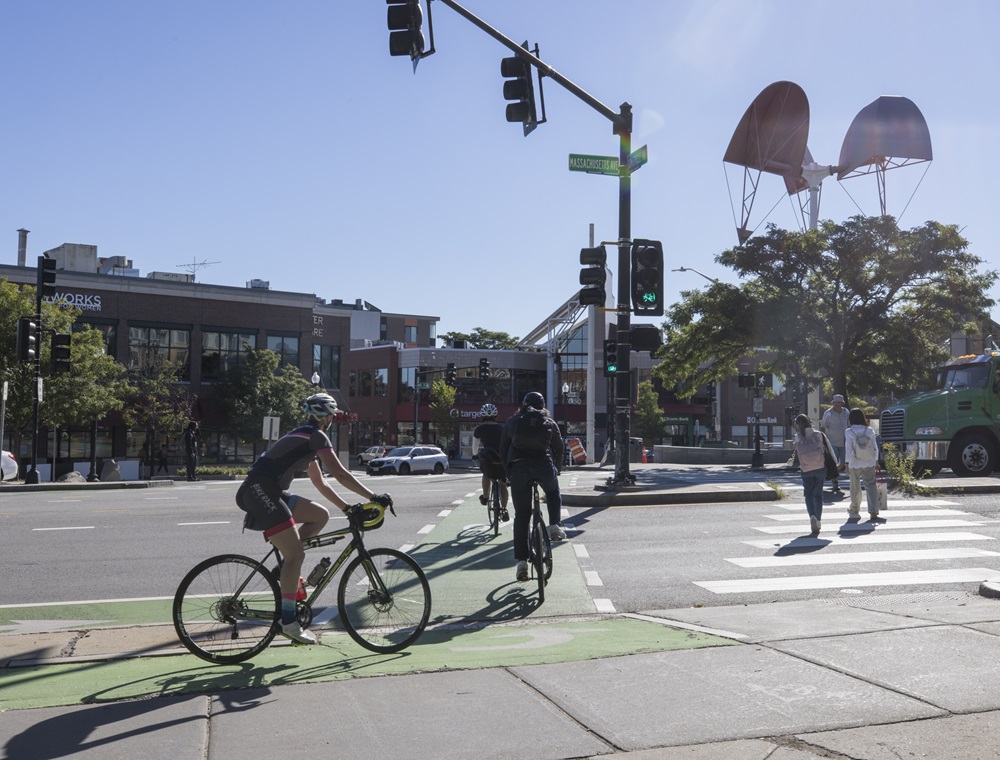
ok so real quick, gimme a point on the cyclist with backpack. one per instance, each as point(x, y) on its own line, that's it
point(487, 435)
point(285, 518)
point(532, 450)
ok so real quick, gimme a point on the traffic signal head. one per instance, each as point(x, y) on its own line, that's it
point(405, 19)
point(520, 89)
point(46, 277)
point(610, 358)
point(27, 339)
point(484, 369)
point(60, 353)
point(593, 276)
point(647, 278)
point(451, 375)
point(747, 381)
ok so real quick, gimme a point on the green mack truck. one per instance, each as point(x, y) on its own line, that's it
point(957, 424)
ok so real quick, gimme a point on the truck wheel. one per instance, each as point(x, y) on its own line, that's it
point(972, 455)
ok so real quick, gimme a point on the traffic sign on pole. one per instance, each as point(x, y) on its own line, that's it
point(593, 164)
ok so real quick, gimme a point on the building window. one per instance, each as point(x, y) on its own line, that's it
point(150, 345)
point(326, 361)
point(382, 382)
point(286, 347)
point(224, 351)
point(366, 383)
point(409, 333)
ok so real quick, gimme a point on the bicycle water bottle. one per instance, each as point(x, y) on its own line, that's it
point(318, 572)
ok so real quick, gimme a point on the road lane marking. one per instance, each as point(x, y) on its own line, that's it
point(425, 530)
point(862, 527)
point(892, 503)
point(406, 547)
point(604, 606)
point(79, 527)
point(216, 522)
point(852, 580)
point(581, 551)
point(870, 538)
point(592, 578)
point(858, 557)
point(444, 513)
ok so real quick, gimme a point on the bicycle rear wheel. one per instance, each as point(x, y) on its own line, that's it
point(227, 609)
point(493, 508)
point(540, 558)
point(385, 604)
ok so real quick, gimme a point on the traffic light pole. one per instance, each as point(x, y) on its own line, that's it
point(31, 476)
point(622, 123)
point(623, 377)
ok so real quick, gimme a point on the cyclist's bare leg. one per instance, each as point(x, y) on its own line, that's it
point(310, 518)
point(503, 493)
point(486, 488)
point(289, 544)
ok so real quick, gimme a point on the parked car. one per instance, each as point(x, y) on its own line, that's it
point(373, 452)
point(407, 459)
point(8, 466)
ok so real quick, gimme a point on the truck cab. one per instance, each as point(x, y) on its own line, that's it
point(956, 424)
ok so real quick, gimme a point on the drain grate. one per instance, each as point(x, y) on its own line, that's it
point(890, 599)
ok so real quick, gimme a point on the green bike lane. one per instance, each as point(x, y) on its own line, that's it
point(105, 651)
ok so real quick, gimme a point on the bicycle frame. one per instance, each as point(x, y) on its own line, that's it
point(327, 539)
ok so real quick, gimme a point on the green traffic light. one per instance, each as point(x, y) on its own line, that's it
point(649, 297)
point(612, 368)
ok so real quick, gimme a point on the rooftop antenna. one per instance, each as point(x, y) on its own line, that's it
point(195, 265)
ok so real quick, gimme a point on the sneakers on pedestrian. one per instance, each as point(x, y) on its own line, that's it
point(482, 499)
point(522, 570)
point(556, 532)
point(294, 631)
point(815, 525)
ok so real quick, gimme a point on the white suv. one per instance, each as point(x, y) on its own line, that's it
point(407, 459)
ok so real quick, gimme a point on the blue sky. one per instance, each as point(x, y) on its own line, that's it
point(283, 142)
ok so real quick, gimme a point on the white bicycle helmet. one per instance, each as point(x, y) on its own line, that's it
point(320, 405)
point(488, 410)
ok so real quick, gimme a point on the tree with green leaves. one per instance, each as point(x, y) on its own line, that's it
point(482, 339)
point(258, 389)
point(863, 304)
point(648, 420)
point(94, 387)
point(442, 402)
point(157, 400)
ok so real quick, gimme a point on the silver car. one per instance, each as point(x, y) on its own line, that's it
point(8, 466)
point(407, 459)
point(372, 452)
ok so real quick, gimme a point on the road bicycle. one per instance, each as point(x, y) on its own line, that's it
point(494, 507)
point(227, 609)
point(539, 544)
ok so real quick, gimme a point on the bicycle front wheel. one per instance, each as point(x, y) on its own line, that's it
point(227, 609)
point(384, 603)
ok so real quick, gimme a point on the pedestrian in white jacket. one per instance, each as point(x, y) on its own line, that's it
point(861, 454)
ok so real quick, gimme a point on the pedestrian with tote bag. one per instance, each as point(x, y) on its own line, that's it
point(812, 448)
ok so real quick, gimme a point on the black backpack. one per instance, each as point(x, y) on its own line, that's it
point(531, 432)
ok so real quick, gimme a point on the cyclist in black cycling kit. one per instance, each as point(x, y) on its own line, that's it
point(287, 519)
point(488, 434)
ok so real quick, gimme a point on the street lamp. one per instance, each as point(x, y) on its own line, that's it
point(692, 269)
point(315, 378)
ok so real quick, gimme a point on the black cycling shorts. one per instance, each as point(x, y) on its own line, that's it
point(491, 465)
point(268, 508)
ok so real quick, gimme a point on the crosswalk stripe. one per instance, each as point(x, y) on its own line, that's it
point(869, 538)
point(867, 526)
point(892, 503)
point(893, 513)
point(845, 558)
point(852, 580)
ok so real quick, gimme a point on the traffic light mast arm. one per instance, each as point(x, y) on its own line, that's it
point(622, 121)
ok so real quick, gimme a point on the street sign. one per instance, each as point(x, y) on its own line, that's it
point(270, 429)
point(758, 405)
point(423, 385)
point(638, 157)
point(593, 164)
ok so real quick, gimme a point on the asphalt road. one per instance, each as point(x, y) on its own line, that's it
point(136, 544)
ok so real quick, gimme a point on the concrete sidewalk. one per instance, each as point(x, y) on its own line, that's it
point(914, 675)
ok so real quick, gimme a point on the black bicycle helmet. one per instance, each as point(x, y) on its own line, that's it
point(534, 399)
